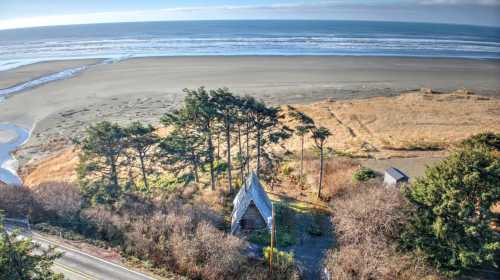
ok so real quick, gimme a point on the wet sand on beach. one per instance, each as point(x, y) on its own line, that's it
point(29, 72)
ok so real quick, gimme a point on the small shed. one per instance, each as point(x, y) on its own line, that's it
point(252, 208)
point(393, 177)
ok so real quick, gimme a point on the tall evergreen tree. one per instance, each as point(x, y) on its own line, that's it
point(181, 150)
point(226, 105)
point(305, 125)
point(301, 131)
point(101, 150)
point(266, 122)
point(246, 121)
point(199, 107)
point(261, 115)
point(320, 135)
point(141, 139)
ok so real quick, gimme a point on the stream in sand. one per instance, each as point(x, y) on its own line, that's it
point(15, 136)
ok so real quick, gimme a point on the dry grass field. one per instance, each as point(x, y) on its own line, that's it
point(414, 124)
point(60, 167)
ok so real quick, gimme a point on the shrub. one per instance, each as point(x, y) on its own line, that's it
point(17, 202)
point(207, 253)
point(283, 264)
point(68, 233)
point(159, 234)
point(286, 169)
point(453, 202)
point(368, 221)
point(185, 238)
point(60, 198)
point(165, 182)
point(363, 174)
point(370, 213)
point(106, 225)
point(367, 262)
point(488, 140)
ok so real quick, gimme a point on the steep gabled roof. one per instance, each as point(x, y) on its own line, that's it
point(252, 191)
point(396, 174)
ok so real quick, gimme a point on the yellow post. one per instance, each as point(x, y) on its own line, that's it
point(272, 240)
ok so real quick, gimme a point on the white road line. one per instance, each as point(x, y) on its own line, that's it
point(79, 273)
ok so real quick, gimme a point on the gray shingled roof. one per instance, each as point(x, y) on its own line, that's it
point(396, 173)
point(253, 191)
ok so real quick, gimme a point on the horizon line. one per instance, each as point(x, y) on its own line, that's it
point(270, 19)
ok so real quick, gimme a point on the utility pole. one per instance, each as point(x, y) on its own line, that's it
point(273, 227)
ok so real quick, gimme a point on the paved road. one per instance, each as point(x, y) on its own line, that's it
point(77, 265)
point(81, 266)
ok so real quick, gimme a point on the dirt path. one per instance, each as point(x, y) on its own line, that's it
point(314, 234)
point(310, 250)
point(413, 167)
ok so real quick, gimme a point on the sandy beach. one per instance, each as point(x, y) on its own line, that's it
point(26, 73)
point(145, 88)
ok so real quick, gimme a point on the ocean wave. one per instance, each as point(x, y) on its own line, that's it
point(235, 45)
point(18, 53)
point(251, 38)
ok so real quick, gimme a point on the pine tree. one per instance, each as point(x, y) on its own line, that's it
point(185, 145)
point(266, 123)
point(101, 150)
point(226, 106)
point(305, 125)
point(199, 108)
point(141, 139)
point(320, 135)
point(452, 220)
point(21, 259)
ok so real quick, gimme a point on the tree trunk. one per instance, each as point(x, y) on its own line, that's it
point(301, 157)
point(130, 169)
point(211, 160)
point(218, 145)
point(247, 154)
point(195, 167)
point(114, 175)
point(257, 169)
point(241, 155)
point(143, 169)
point(114, 189)
point(229, 167)
point(196, 177)
point(320, 170)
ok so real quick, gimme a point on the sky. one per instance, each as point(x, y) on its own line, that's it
point(29, 13)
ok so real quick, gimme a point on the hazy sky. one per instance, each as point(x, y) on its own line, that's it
point(26, 13)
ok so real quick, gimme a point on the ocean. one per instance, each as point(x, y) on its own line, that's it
point(190, 38)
